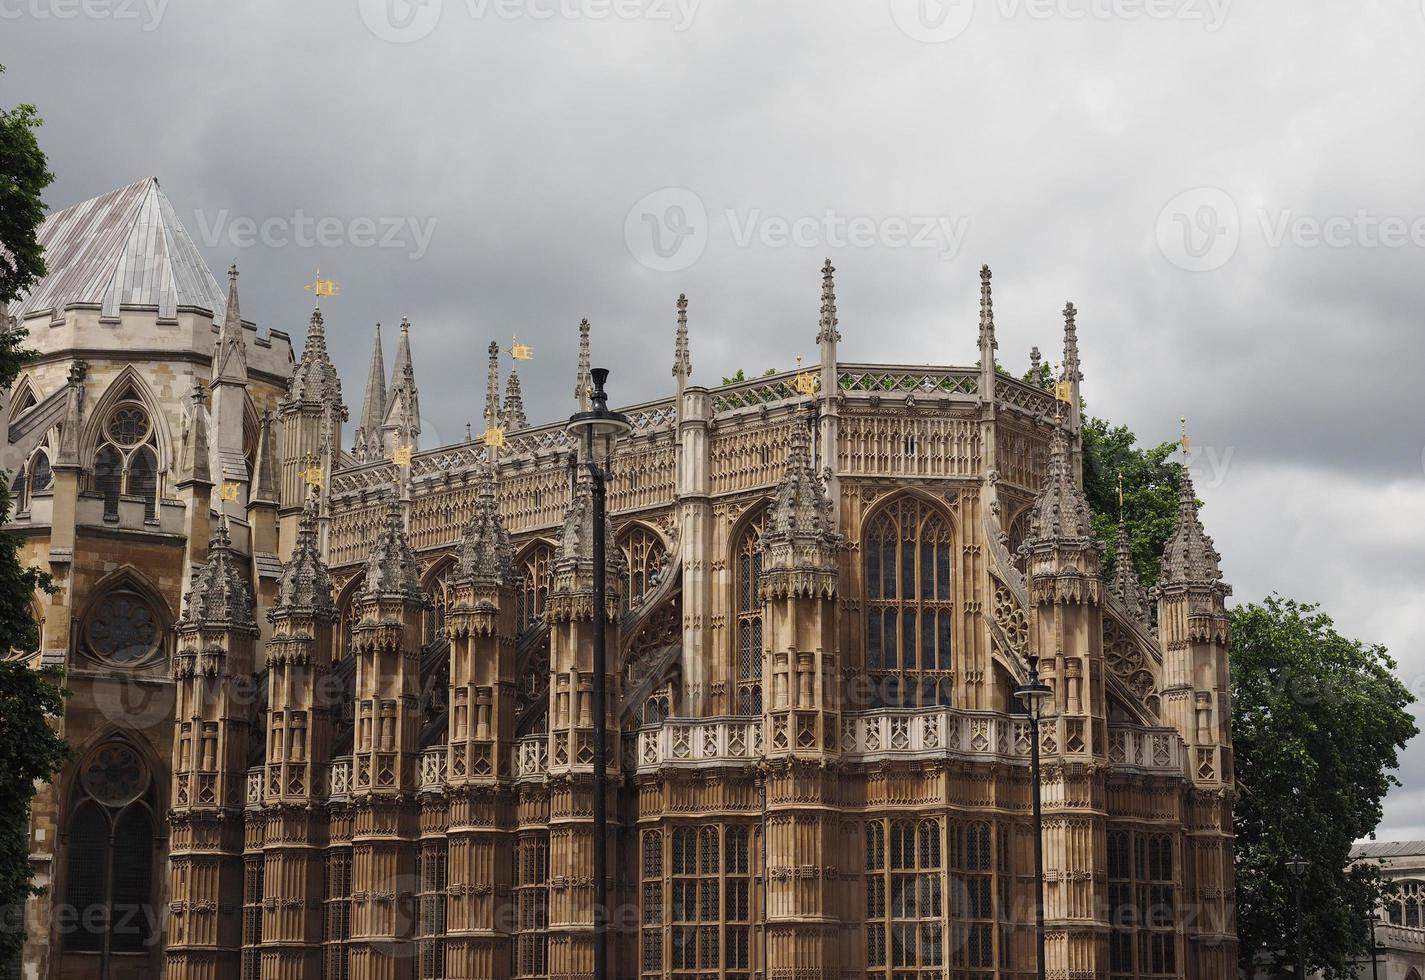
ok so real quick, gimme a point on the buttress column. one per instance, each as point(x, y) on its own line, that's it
point(1066, 633)
point(216, 637)
point(801, 721)
point(570, 614)
point(299, 702)
point(483, 633)
point(386, 758)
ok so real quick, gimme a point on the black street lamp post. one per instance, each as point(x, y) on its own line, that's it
point(1033, 692)
point(599, 428)
point(1297, 866)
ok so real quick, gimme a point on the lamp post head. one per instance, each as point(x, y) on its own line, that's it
point(1298, 865)
point(599, 428)
point(1033, 692)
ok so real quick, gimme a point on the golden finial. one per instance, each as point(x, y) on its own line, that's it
point(311, 472)
point(518, 351)
point(322, 287)
point(228, 491)
point(1063, 391)
point(401, 455)
point(1120, 495)
point(1186, 442)
point(805, 383)
point(494, 436)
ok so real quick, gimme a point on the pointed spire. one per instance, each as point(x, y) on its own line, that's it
point(1124, 583)
point(265, 476)
point(682, 362)
point(314, 379)
point(1035, 359)
point(231, 361)
point(1189, 557)
point(391, 569)
point(67, 454)
point(305, 588)
point(194, 466)
point(512, 415)
point(574, 554)
point(827, 332)
point(220, 596)
point(1060, 517)
point(492, 387)
point(403, 412)
point(368, 431)
point(1072, 374)
point(583, 385)
point(988, 343)
point(485, 556)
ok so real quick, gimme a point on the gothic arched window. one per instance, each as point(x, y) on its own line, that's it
point(109, 879)
point(536, 570)
point(35, 476)
point(747, 598)
point(438, 588)
point(643, 554)
point(126, 460)
point(908, 604)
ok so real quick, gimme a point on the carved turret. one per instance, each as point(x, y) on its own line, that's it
point(195, 484)
point(386, 750)
point(227, 461)
point(216, 635)
point(988, 344)
point(299, 712)
point(1062, 566)
point(583, 384)
point(311, 415)
point(262, 510)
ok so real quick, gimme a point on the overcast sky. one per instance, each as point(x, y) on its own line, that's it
point(1230, 193)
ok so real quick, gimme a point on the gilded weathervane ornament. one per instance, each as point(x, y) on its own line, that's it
point(322, 287)
point(311, 472)
point(805, 383)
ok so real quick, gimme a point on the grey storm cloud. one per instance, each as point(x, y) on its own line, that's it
point(1227, 191)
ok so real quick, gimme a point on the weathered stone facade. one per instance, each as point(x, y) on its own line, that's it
point(342, 698)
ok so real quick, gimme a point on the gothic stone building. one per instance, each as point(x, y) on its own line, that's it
point(332, 701)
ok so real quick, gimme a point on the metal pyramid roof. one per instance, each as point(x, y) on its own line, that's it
point(121, 249)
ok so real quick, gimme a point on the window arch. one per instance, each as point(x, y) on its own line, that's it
point(908, 604)
point(437, 586)
point(109, 848)
point(126, 456)
point(536, 569)
point(644, 554)
point(34, 476)
point(747, 601)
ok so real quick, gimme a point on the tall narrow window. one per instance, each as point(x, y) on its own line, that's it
point(747, 583)
point(109, 880)
point(1142, 905)
point(431, 913)
point(651, 952)
point(710, 903)
point(438, 589)
point(126, 459)
point(532, 897)
point(643, 553)
point(909, 604)
point(35, 476)
point(905, 909)
point(972, 906)
point(252, 918)
point(336, 915)
point(536, 579)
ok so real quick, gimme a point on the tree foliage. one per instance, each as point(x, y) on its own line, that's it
point(1318, 721)
point(24, 175)
point(30, 749)
point(1150, 493)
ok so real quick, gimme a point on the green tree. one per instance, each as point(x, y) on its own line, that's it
point(741, 375)
point(1150, 493)
point(30, 749)
point(1318, 721)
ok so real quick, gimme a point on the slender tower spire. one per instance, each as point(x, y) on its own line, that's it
point(512, 415)
point(368, 433)
point(988, 343)
point(1035, 359)
point(492, 387)
point(827, 332)
point(232, 351)
point(1072, 373)
point(682, 363)
point(583, 385)
point(403, 410)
